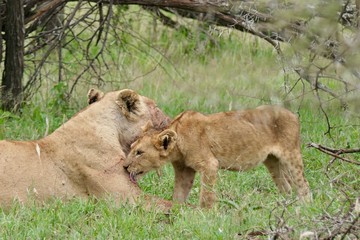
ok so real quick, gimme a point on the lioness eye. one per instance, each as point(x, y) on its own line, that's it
point(138, 152)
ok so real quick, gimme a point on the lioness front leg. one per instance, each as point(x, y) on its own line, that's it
point(208, 180)
point(184, 179)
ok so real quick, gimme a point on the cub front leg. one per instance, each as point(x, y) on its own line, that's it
point(184, 179)
point(208, 181)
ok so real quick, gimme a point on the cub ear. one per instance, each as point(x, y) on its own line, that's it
point(166, 141)
point(129, 103)
point(94, 95)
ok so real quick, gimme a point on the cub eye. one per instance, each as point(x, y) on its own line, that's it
point(138, 153)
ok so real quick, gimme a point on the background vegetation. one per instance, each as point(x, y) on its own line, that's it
point(209, 69)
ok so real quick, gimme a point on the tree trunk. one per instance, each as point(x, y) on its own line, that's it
point(2, 7)
point(11, 90)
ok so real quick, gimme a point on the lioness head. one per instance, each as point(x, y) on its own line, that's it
point(128, 111)
point(151, 151)
point(134, 106)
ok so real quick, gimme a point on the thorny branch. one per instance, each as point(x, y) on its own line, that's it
point(336, 152)
point(345, 223)
point(259, 19)
point(341, 224)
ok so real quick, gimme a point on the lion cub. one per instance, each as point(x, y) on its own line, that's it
point(236, 140)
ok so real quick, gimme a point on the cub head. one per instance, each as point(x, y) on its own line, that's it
point(149, 152)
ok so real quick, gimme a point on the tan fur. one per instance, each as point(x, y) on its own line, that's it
point(237, 140)
point(84, 157)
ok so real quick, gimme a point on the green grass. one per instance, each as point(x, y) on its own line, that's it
point(185, 73)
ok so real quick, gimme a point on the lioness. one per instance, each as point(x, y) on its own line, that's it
point(237, 140)
point(84, 157)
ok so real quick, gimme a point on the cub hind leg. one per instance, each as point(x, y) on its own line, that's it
point(292, 164)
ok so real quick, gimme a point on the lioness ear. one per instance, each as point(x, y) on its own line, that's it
point(166, 141)
point(94, 95)
point(129, 103)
